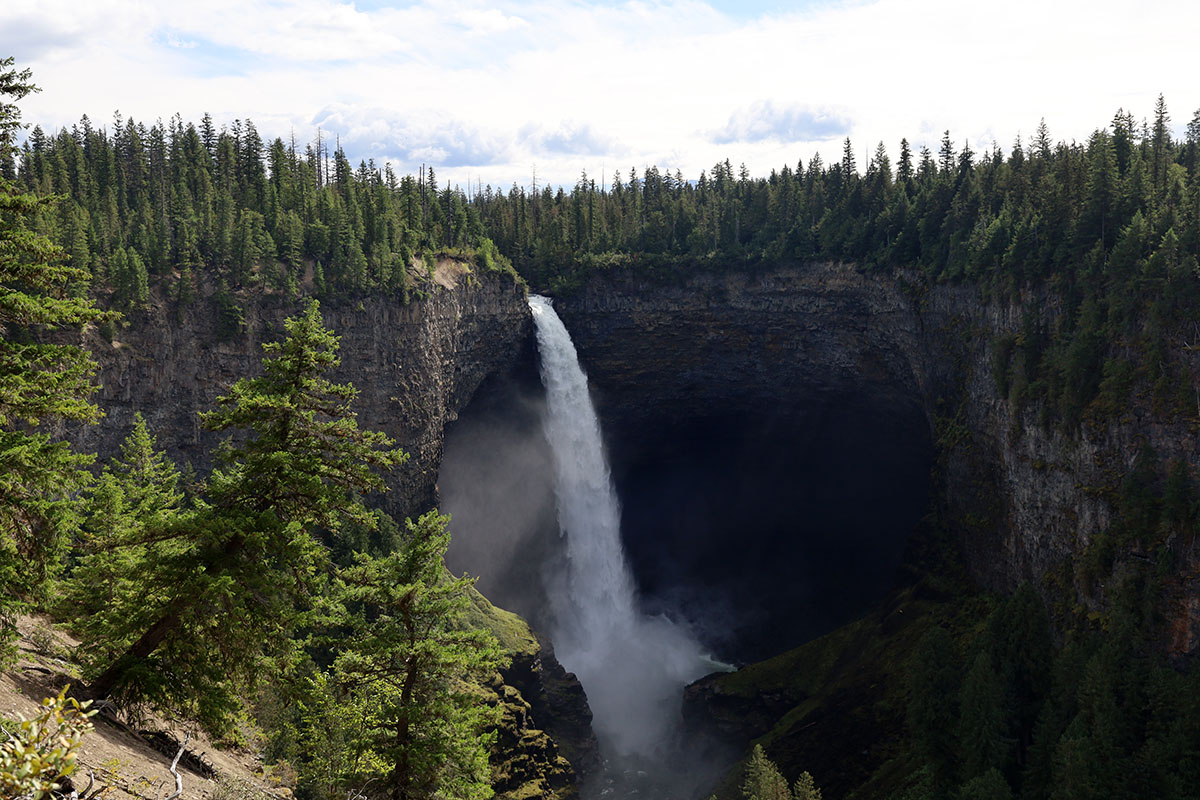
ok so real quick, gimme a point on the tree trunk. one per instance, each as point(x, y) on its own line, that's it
point(102, 687)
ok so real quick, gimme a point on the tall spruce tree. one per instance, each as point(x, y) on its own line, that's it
point(42, 380)
point(249, 557)
point(412, 669)
point(763, 780)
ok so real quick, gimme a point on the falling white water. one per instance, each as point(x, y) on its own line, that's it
point(633, 667)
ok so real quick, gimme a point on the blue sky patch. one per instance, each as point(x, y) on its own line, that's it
point(204, 58)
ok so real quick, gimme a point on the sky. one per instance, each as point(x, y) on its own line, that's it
point(517, 92)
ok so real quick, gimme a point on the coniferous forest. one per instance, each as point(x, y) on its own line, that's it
point(1112, 225)
point(271, 593)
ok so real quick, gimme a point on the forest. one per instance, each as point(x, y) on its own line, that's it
point(1110, 226)
point(273, 577)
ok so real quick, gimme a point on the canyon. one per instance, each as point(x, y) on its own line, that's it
point(775, 435)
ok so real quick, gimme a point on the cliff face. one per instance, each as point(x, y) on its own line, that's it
point(798, 342)
point(771, 440)
point(416, 366)
point(751, 341)
point(1027, 498)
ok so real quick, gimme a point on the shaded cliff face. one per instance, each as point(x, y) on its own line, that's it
point(770, 441)
point(1028, 499)
point(415, 365)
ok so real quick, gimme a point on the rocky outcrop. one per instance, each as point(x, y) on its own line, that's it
point(527, 763)
point(546, 738)
point(416, 365)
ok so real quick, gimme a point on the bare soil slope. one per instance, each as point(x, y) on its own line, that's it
point(114, 752)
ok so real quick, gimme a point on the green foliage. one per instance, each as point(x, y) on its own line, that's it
point(763, 779)
point(981, 727)
point(306, 459)
point(934, 679)
point(231, 319)
point(1102, 716)
point(224, 581)
point(401, 703)
point(805, 788)
point(127, 535)
point(129, 279)
point(227, 212)
point(40, 382)
point(39, 755)
point(988, 786)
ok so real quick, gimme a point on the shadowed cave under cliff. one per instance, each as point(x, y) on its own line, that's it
point(761, 528)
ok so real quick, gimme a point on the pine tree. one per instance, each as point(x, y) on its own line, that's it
point(981, 733)
point(247, 556)
point(40, 382)
point(805, 788)
point(763, 779)
point(1160, 145)
point(933, 690)
point(402, 645)
point(991, 785)
point(133, 501)
point(946, 156)
point(904, 170)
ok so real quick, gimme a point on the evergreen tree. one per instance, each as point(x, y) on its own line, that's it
point(991, 785)
point(763, 779)
point(116, 580)
point(981, 727)
point(412, 670)
point(805, 788)
point(932, 712)
point(40, 382)
point(247, 557)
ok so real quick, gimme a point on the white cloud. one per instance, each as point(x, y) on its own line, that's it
point(420, 136)
point(491, 89)
point(765, 121)
point(175, 41)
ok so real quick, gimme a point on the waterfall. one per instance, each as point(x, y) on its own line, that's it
point(632, 666)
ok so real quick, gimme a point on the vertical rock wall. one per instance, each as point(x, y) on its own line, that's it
point(1025, 498)
point(416, 365)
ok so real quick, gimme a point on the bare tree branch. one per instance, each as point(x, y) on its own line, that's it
point(175, 771)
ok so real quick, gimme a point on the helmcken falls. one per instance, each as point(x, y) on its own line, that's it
point(632, 666)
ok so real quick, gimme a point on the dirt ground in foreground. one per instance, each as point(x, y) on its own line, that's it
point(113, 752)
